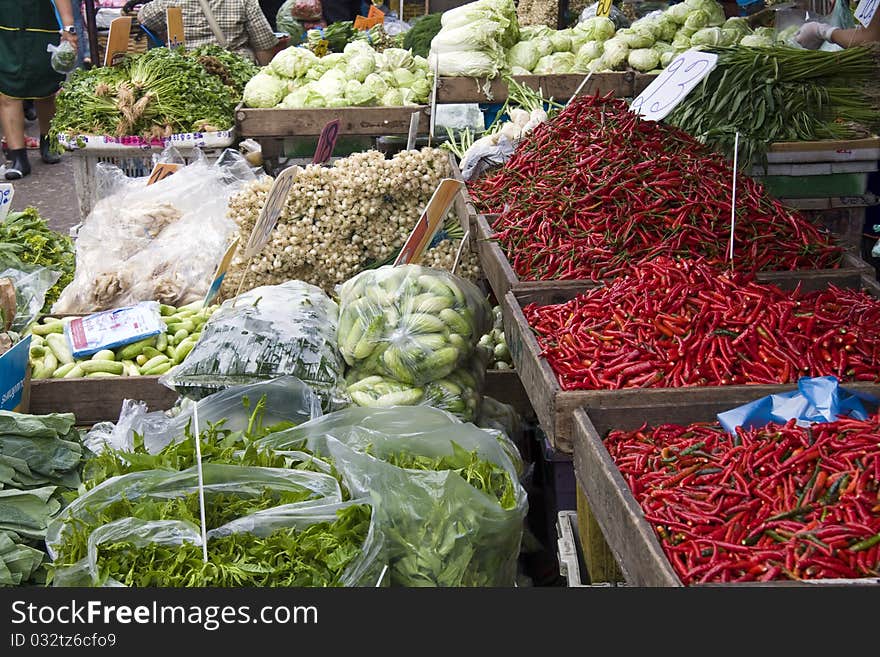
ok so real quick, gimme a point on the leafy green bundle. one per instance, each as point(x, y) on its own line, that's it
point(25, 239)
point(314, 556)
point(778, 94)
point(233, 71)
point(418, 37)
point(151, 94)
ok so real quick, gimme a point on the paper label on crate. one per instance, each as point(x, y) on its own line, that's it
point(674, 84)
point(327, 142)
point(429, 222)
point(113, 328)
point(866, 10)
point(13, 374)
point(272, 209)
point(161, 171)
point(6, 193)
point(216, 139)
point(117, 40)
point(220, 274)
point(174, 21)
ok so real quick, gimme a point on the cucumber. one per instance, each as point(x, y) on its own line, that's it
point(50, 362)
point(36, 352)
point(102, 374)
point(166, 310)
point(40, 371)
point(75, 373)
point(60, 372)
point(441, 360)
point(456, 323)
point(153, 362)
point(152, 352)
point(108, 366)
point(182, 350)
point(104, 354)
point(408, 397)
point(422, 323)
point(430, 303)
point(131, 351)
point(162, 341)
point(55, 326)
point(140, 359)
point(58, 344)
point(161, 368)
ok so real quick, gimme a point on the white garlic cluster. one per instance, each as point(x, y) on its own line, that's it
point(443, 255)
point(337, 219)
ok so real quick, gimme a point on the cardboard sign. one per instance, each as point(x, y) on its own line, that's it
point(674, 84)
point(174, 21)
point(270, 212)
point(374, 17)
point(866, 10)
point(14, 366)
point(220, 273)
point(6, 194)
point(413, 131)
point(429, 222)
point(604, 8)
point(162, 171)
point(117, 40)
point(326, 142)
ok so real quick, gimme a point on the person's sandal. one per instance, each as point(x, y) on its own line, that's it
point(20, 166)
point(48, 156)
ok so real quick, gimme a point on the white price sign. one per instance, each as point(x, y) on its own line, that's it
point(270, 212)
point(674, 84)
point(866, 10)
point(6, 194)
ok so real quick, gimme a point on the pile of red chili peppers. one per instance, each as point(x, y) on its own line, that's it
point(597, 189)
point(771, 503)
point(673, 323)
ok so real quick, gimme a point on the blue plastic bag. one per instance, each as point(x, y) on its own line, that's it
point(817, 399)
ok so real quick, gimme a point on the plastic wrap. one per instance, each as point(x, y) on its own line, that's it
point(265, 333)
point(63, 57)
point(485, 157)
point(410, 323)
point(616, 15)
point(287, 400)
point(31, 287)
point(160, 242)
point(441, 530)
point(166, 485)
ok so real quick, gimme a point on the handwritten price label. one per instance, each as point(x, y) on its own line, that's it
point(604, 8)
point(270, 212)
point(326, 142)
point(674, 84)
point(161, 171)
point(6, 194)
point(866, 10)
point(430, 221)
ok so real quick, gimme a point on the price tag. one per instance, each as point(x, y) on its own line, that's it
point(6, 194)
point(604, 8)
point(866, 10)
point(270, 212)
point(326, 142)
point(429, 222)
point(117, 40)
point(674, 84)
point(413, 131)
point(220, 273)
point(174, 21)
point(374, 17)
point(162, 171)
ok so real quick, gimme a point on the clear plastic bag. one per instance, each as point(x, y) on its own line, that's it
point(365, 569)
point(410, 323)
point(287, 400)
point(155, 243)
point(63, 58)
point(481, 158)
point(241, 481)
point(441, 530)
point(617, 16)
point(31, 287)
point(265, 333)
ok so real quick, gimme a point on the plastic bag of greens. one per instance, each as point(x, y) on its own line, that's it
point(267, 332)
point(63, 58)
point(230, 491)
point(327, 544)
point(284, 400)
point(410, 323)
point(446, 493)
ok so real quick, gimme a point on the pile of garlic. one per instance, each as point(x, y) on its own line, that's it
point(339, 219)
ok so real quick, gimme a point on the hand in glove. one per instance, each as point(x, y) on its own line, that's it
point(812, 35)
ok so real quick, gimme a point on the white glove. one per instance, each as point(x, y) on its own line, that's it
point(812, 35)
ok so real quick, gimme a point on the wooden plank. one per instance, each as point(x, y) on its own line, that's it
point(505, 386)
point(834, 145)
point(377, 121)
point(94, 400)
point(494, 263)
point(555, 407)
point(629, 535)
point(599, 559)
point(558, 87)
point(641, 82)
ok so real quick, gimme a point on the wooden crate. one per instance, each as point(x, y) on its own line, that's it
point(506, 387)
point(371, 121)
point(94, 400)
point(599, 560)
point(503, 279)
point(630, 537)
point(554, 407)
point(560, 87)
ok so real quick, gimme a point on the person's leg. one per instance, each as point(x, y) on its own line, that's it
point(85, 56)
point(12, 125)
point(45, 112)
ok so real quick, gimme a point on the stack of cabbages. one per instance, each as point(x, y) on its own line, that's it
point(410, 335)
point(359, 76)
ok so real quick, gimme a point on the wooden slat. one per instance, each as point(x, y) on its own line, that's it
point(505, 386)
point(94, 400)
point(377, 121)
point(558, 87)
point(494, 263)
point(825, 145)
point(599, 559)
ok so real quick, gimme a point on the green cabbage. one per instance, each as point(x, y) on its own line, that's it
point(421, 90)
point(543, 45)
point(403, 77)
point(331, 84)
point(648, 26)
point(519, 70)
point(615, 54)
point(668, 28)
point(662, 46)
point(737, 23)
point(714, 11)
point(529, 32)
point(766, 33)
point(560, 41)
point(634, 39)
point(358, 47)
point(708, 36)
point(292, 62)
point(667, 57)
point(304, 97)
point(591, 50)
point(757, 41)
point(643, 59)
point(358, 94)
point(360, 66)
point(468, 64)
point(558, 62)
point(729, 37)
point(481, 35)
point(681, 42)
point(678, 13)
point(697, 20)
point(523, 54)
point(397, 58)
point(392, 98)
point(264, 90)
point(577, 40)
point(599, 28)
